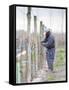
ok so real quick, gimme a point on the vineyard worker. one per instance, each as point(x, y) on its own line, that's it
point(49, 43)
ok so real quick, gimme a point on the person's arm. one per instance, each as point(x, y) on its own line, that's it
point(44, 44)
point(49, 43)
point(44, 41)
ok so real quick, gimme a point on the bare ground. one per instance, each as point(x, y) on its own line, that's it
point(59, 74)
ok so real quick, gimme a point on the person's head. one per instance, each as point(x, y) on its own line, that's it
point(47, 32)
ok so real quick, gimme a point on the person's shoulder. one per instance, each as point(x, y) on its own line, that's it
point(52, 36)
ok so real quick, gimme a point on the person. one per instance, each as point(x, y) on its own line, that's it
point(49, 43)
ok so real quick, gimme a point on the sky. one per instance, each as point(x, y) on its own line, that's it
point(51, 18)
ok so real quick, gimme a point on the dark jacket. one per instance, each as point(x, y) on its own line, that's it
point(49, 43)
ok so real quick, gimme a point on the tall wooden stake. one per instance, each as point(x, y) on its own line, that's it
point(29, 42)
point(36, 47)
point(41, 48)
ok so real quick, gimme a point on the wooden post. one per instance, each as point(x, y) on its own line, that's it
point(44, 51)
point(26, 47)
point(21, 60)
point(29, 43)
point(41, 47)
point(17, 64)
point(18, 80)
point(35, 37)
point(33, 70)
point(39, 51)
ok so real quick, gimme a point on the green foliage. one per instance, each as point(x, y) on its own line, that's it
point(60, 55)
point(50, 77)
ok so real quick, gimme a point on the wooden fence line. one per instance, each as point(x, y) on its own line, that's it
point(35, 54)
